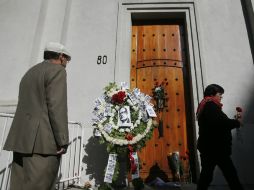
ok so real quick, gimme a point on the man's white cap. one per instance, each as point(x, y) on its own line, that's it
point(57, 47)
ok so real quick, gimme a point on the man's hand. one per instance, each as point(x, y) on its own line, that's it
point(62, 149)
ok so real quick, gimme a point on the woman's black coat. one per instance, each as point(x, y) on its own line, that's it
point(215, 130)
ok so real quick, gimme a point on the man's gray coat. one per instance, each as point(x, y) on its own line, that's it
point(40, 124)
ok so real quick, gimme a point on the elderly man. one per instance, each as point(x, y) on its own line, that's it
point(39, 132)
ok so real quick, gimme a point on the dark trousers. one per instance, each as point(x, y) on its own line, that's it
point(34, 171)
point(224, 162)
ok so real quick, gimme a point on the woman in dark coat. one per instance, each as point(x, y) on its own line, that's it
point(215, 139)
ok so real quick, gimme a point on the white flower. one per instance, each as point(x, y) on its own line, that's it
point(110, 114)
point(127, 130)
point(139, 136)
point(135, 108)
point(134, 141)
point(100, 126)
point(110, 94)
point(139, 115)
point(104, 134)
point(110, 139)
point(121, 130)
point(117, 107)
point(129, 102)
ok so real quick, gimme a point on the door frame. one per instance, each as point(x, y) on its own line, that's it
point(186, 10)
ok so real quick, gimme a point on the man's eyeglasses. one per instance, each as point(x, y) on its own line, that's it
point(68, 58)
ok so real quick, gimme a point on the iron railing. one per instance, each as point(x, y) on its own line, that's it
point(70, 167)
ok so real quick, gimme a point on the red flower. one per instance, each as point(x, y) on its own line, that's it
point(114, 98)
point(129, 137)
point(239, 109)
point(119, 97)
point(185, 156)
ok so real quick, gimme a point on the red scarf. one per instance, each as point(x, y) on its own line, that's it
point(203, 103)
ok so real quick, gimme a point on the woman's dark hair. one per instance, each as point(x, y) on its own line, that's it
point(213, 89)
point(51, 55)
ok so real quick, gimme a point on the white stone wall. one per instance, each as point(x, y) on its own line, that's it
point(89, 29)
point(18, 22)
point(228, 61)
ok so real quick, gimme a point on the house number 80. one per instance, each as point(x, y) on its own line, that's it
point(102, 59)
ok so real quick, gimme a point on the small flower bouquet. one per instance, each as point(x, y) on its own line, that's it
point(159, 95)
point(175, 164)
point(87, 186)
point(238, 116)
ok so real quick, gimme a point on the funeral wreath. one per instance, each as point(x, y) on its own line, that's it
point(123, 120)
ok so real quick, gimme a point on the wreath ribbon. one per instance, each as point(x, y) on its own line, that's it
point(132, 161)
point(133, 168)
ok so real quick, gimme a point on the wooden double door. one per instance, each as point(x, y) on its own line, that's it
point(157, 57)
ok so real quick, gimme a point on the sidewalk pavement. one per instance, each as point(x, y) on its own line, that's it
point(186, 187)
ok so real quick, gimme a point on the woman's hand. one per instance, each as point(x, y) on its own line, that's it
point(238, 115)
